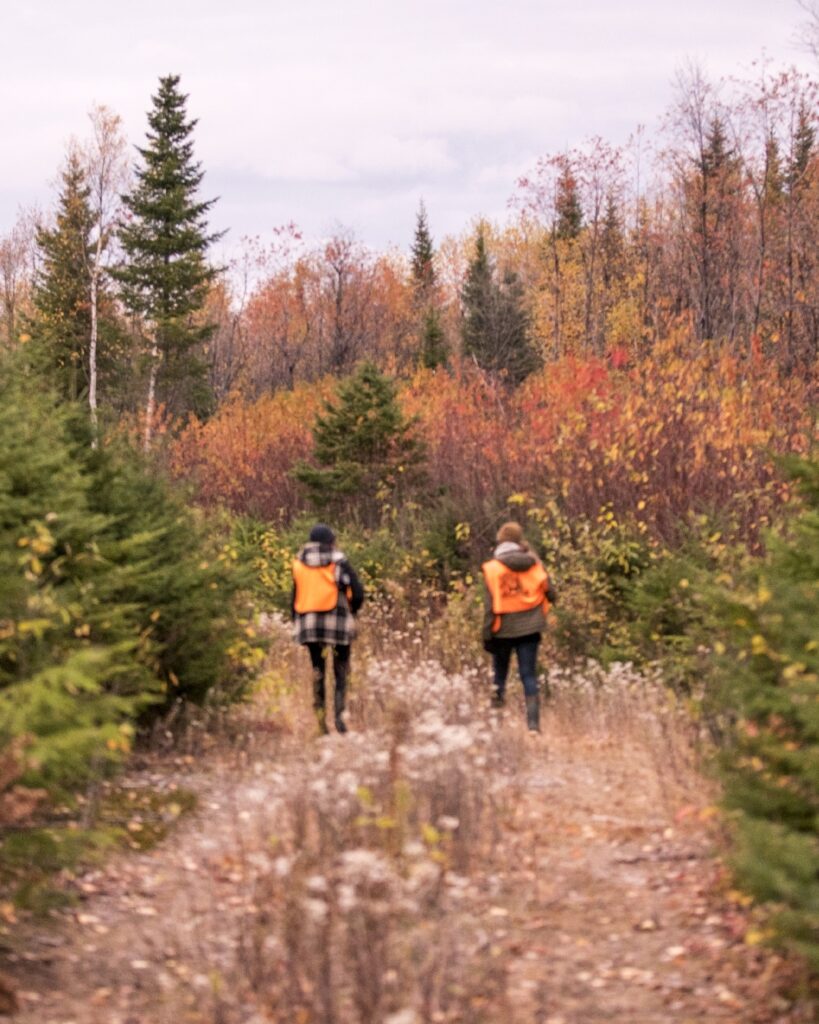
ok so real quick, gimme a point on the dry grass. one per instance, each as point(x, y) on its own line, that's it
point(370, 862)
point(437, 864)
point(359, 866)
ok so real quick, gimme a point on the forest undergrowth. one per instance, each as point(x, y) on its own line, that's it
point(436, 864)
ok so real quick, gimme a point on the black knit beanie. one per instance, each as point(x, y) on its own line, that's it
point(321, 534)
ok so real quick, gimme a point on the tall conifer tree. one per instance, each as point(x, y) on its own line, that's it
point(432, 343)
point(61, 324)
point(774, 178)
point(496, 325)
point(477, 297)
point(166, 276)
point(612, 241)
point(423, 268)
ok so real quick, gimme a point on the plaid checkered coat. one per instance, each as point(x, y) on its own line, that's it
point(335, 628)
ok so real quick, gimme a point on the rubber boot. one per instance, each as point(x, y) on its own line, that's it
point(533, 712)
point(319, 699)
point(339, 696)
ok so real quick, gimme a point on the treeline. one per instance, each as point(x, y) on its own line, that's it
point(704, 232)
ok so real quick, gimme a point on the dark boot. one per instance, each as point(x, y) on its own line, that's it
point(338, 699)
point(319, 699)
point(340, 693)
point(533, 712)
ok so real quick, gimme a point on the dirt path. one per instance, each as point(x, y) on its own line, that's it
point(445, 867)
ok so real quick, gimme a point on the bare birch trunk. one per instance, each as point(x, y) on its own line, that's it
point(92, 348)
point(150, 405)
point(107, 170)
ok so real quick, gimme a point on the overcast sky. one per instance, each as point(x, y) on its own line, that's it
point(328, 112)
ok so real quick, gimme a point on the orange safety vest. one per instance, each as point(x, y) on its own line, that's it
point(316, 587)
point(515, 591)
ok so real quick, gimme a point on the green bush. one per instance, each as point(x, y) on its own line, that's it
point(167, 564)
point(594, 565)
point(670, 612)
point(114, 601)
point(768, 674)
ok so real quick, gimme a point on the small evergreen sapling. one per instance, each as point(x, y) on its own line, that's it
point(365, 450)
point(770, 675)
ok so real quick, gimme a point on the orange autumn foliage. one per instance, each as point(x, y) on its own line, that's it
point(466, 422)
point(241, 458)
point(656, 440)
point(665, 438)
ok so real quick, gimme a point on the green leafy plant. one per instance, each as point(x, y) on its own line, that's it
point(768, 675)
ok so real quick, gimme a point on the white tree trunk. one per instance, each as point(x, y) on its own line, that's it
point(92, 349)
point(107, 171)
point(150, 405)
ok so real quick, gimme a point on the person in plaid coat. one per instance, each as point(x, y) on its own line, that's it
point(327, 595)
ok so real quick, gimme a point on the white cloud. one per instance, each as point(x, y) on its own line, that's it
point(502, 174)
point(327, 111)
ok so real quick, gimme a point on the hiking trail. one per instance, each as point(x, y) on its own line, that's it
point(438, 864)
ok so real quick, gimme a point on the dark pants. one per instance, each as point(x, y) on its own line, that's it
point(341, 665)
point(526, 648)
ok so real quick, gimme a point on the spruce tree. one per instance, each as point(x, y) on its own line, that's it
point(717, 154)
point(712, 195)
point(568, 211)
point(423, 268)
point(365, 451)
point(803, 148)
point(432, 347)
point(61, 321)
point(496, 326)
point(612, 241)
point(165, 276)
point(477, 295)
